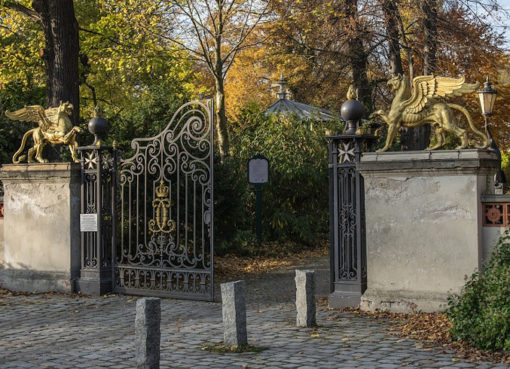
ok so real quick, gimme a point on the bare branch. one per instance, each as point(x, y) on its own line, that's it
point(29, 13)
point(102, 35)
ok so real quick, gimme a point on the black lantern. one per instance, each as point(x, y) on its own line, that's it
point(487, 97)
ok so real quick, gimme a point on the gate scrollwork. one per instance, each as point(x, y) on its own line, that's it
point(166, 229)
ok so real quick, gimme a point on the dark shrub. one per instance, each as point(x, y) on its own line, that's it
point(481, 313)
point(295, 202)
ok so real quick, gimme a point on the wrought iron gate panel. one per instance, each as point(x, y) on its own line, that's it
point(347, 258)
point(347, 220)
point(98, 184)
point(165, 233)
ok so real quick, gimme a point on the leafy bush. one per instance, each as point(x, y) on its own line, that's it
point(145, 116)
point(481, 314)
point(505, 164)
point(295, 202)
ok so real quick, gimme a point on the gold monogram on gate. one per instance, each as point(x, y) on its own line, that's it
point(161, 204)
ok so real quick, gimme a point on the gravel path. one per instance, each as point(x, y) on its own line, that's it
point(279, 286)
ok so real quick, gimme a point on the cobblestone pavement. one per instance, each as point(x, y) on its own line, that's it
point(58, 331)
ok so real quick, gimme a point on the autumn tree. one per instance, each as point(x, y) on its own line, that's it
point(310, 42)
point(418, 138)
point(251, 79)
point(429, 10)
point(137, 78)
point(61, 47)
point(124, 57)
point(393, 21)
point(443, 38)
point(214, 32)
point(356, 51)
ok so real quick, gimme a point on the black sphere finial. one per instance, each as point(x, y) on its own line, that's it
point(351, 111)
point(98, 126)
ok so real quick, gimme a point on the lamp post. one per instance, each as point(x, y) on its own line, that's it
point(487, 97)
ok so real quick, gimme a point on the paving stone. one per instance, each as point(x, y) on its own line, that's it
point(38, 330)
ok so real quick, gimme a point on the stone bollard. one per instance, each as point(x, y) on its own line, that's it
point(305, 298)
point(234, 314)
point(147, 333)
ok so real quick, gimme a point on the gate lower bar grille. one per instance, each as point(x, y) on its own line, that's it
point(163, 282)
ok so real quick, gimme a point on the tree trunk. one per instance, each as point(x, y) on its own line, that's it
point(419, 138)
point(61, 52)
point(221, 120)
point(219, 79)
point(391, 18)
point(429, 9)
point(357, 54)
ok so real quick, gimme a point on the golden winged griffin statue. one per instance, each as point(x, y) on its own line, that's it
point(425, 103)
point(55, 127)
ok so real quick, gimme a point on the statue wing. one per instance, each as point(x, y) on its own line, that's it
point(33, 113)
point(429, 87)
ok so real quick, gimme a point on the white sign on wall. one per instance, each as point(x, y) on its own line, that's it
point(88, 222)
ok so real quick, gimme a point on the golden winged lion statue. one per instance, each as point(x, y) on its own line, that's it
point(424, 103)
point(55, 127)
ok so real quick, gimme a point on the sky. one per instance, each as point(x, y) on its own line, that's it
point(504, 24)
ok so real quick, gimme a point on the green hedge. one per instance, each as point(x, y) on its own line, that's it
point(481, 313)
point(295, 202)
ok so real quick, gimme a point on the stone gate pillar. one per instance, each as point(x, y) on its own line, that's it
point(423, 225)
point(41, 250)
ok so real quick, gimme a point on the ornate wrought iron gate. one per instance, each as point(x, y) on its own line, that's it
point(165, 212)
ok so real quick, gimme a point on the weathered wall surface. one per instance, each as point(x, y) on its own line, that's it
point(423, 224)
point(41, 238)
point(490, 236)
point(1, 240)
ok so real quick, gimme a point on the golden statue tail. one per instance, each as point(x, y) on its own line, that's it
point(15, 158)
point(471, 125)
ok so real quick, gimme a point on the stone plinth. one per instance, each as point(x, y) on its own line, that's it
point(234, 314)
point(148, 333)
point(41, 250)
point(423, 225)
point(305, 298)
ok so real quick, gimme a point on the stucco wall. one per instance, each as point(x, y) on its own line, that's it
point(490, 236)
point(1, 240)
point(41, 238)
point(423, 225)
